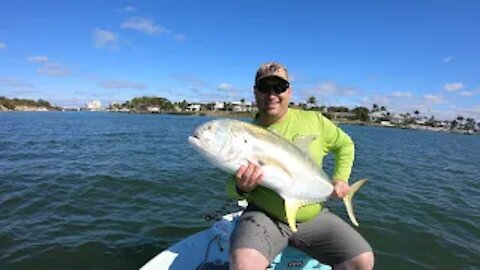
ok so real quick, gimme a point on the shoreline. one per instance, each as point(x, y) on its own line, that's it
point(252, 114)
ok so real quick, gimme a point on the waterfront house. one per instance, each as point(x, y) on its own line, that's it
point(397, 119)
point(193, 107)
point(379, 116)
point(238, 106)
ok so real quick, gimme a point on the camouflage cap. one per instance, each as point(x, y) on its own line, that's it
point(271, 69)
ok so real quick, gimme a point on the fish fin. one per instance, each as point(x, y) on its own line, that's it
point(291, 209)
point(347, 200)
point(304, 142)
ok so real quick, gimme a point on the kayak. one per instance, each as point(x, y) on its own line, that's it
point(208, 250)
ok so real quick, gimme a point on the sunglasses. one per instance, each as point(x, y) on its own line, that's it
point(276, 88)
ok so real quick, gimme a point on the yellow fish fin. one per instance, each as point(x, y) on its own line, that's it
point(291, 209)
point(347, 200)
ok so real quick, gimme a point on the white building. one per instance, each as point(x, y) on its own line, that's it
point(238, 106)
point(193, 107)
point(219, 105)
point(94, 105)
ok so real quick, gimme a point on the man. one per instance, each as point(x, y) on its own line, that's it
point(262, 232)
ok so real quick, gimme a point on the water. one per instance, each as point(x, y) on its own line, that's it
point(110, 191)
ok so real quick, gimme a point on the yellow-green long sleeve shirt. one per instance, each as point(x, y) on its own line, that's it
point(328, 138)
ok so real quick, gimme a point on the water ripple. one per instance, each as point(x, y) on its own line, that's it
point(109, 191)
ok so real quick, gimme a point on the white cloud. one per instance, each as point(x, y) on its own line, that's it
point(379, 100)
point(45, 67)
point(329, 88)
point(433, 99)
point(3, 45)
point(143, 24)
point(122, 85)
point(466, 93)
point(452, 87)
point(401, 94)
point(53, 69)
point(130, 9)
point(447, 59)
point(38, 59)
point(14, 83)
point(225, 87)
point(105, 39)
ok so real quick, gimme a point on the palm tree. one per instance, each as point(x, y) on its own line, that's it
point(470, 125)
point(312, 100)
point(417, 113)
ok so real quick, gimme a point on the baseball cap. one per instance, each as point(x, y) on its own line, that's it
point(271, 69)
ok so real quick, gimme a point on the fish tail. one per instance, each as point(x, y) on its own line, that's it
point(347, 200)
point(291, 209)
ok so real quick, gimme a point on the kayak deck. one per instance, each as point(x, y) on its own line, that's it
point(208, 250)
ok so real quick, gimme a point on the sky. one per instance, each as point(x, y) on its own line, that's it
point(405, 55)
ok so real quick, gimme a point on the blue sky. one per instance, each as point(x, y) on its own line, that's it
point(405, 55)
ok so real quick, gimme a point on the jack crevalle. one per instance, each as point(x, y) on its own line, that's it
point(286, 169)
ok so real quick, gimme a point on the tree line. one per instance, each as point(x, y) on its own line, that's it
point(11, 104)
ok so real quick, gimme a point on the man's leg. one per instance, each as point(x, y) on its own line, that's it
point(331, 240)
point(359, 262)
point(247, 259)
point(255, 241)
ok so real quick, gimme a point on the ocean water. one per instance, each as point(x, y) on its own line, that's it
point(110, 191)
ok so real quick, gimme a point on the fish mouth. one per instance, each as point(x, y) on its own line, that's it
point(194, 139)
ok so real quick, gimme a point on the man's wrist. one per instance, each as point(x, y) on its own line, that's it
point(241, 192)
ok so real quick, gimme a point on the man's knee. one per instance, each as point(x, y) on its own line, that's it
point(247, 259)
point(364, 261)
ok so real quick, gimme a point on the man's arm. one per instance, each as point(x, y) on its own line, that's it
point(342, 146)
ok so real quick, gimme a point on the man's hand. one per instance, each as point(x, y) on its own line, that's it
point(340, 189)
point(248, 177)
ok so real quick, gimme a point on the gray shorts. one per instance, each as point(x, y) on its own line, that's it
point(326, 238)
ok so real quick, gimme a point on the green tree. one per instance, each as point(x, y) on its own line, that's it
point(361, 113)
point(431, 122)
point(312, 100)
point(470, 125)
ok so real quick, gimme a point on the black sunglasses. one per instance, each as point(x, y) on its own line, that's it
point(276, 88)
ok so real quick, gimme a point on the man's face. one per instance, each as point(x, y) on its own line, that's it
point(273, 96)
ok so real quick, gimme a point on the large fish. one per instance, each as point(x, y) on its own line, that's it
point(285, 167)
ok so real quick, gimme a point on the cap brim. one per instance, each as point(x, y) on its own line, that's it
point(270, 76)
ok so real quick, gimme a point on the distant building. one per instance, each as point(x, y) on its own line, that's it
point(153, 109)
point(378, 116)
point(70, 109)
point(115, 104)
point(219, 105)
point(94, 105)
point(193, 107)
point(342, 115)
point(397, 119)
point(238, 106)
